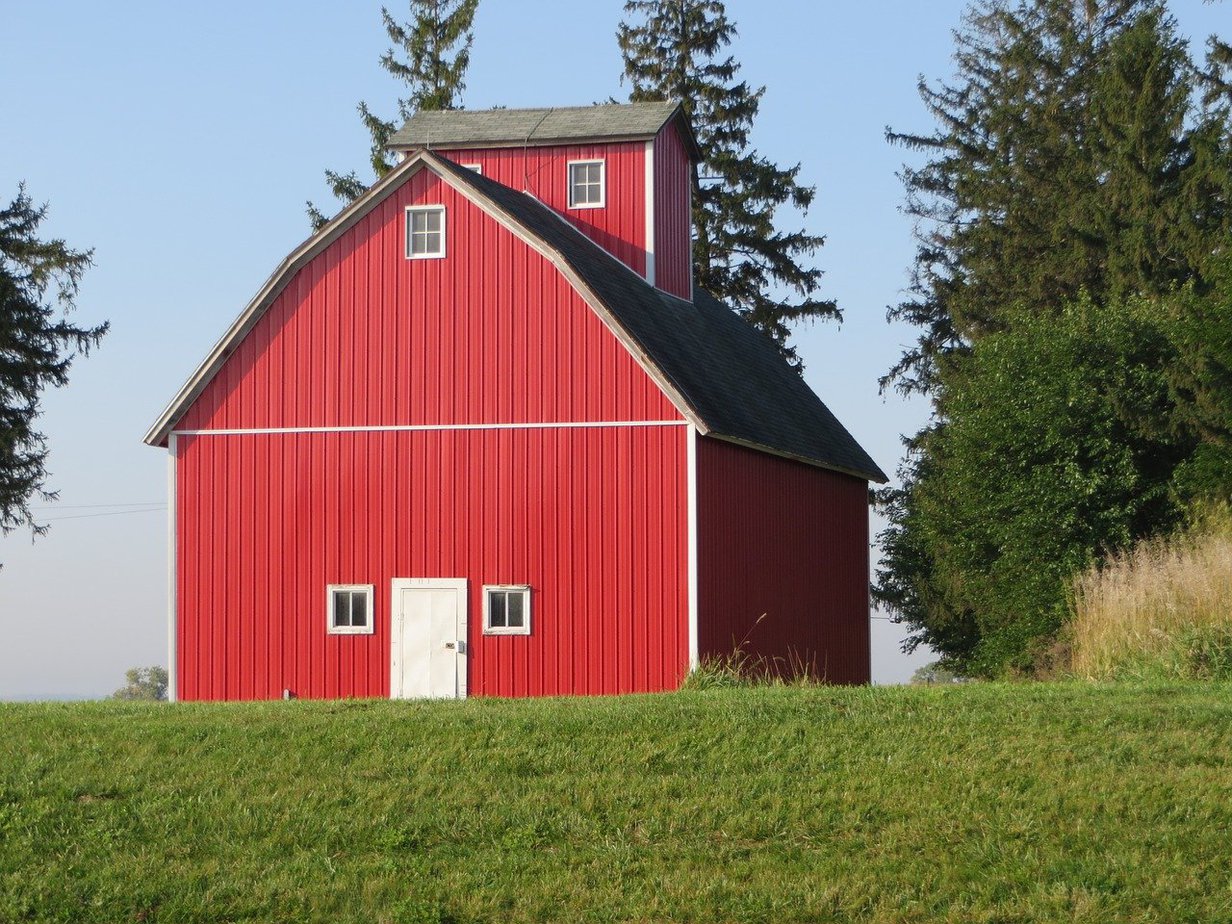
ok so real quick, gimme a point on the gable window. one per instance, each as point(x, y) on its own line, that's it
point(425, 231)
point(506, 609)
point(349, 609)
point(586, 184)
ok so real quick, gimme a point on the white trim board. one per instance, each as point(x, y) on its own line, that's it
point(691, 481)
point(649, 207)
point(398, 428)
point(173, 626)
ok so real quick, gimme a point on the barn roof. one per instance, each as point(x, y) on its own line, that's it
point(730, 375)
point(483, 127)
point(723, 375)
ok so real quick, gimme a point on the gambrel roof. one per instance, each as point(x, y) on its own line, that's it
point(724, 376)
point(728, 374)
point(474, 128)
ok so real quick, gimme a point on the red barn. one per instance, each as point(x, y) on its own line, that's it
point(480, 435)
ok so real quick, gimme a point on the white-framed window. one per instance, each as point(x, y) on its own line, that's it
point(478, 168)
point(586, 184)
point(349, 609)
point(425, 231)
point(506, 609)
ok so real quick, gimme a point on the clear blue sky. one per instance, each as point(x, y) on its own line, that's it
point(181, 141)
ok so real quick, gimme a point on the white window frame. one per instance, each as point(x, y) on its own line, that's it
point(420, 209)
point(488, 628)
point(602, 203)
point(478, 168)
point(367, 590)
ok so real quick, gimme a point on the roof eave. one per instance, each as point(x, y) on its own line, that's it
point(878, 477)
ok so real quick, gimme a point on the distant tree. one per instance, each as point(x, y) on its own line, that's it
point(38, 287)
point(672, 49)
point(429, 56)
point(934, 672)
point(143, 683)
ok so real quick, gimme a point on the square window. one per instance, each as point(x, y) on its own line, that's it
point(586, 184)
point(506, 609)
point(349, 609)
point(425, 231)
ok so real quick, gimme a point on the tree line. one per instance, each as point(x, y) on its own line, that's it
point(1072, 289)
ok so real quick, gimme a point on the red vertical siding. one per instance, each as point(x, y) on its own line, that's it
point(619, 227)
point(782, 562)
point(490, 334)
point(593, 519)
point(673, 219)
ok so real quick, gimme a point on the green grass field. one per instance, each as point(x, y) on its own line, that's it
point(1048, 802)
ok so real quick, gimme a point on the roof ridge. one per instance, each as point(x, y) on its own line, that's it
point(580, 106)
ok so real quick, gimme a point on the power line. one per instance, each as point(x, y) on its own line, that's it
point(112, 513)
point(84, 506)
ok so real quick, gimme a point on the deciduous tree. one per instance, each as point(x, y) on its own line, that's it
point(143, 683)
point(1076, 181)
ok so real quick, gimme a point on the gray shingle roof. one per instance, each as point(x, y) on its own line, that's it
point(532, 126)
point(731, 376)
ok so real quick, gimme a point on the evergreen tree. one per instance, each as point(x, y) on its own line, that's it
point(674, 49)
point(38, 286)
point(1074, 164)
point(1060, 164)
point(429, 55)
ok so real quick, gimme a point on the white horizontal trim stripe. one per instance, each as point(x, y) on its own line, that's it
point(575, 425)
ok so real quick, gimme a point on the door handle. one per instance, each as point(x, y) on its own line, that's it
point(459, 647)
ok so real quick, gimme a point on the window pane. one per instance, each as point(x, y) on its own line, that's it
point(359, 608)
point(514, 613)
point(342, 608)
point(496, 609)
point(592, 173)
point(419, 222)
point(433, 221)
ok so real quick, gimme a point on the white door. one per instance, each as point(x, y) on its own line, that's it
point(428, 638)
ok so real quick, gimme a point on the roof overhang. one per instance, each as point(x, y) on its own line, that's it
point(677, 116)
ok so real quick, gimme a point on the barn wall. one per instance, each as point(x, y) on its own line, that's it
point(619, 227)
point(593, 519)
point(673, 219)
point(491, 333)
point(789, 541)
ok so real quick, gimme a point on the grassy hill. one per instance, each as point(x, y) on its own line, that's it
point(977, 803)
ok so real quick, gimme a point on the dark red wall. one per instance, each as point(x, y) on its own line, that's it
point(789, 541)
point(594, 518)
point(673, 218)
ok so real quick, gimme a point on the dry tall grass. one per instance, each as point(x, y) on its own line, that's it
point(1160, 610)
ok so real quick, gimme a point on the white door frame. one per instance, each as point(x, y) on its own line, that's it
point(395, 628)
